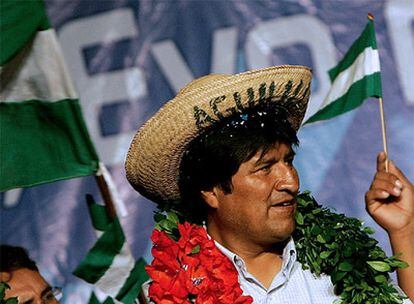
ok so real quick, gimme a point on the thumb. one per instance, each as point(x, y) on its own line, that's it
point(381, 160)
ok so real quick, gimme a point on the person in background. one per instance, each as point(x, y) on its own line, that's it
point(23, 277)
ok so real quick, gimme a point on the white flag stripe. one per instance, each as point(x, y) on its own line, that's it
point(116, 197)
point(43, 74)
point(117, 274)
point(365, 64)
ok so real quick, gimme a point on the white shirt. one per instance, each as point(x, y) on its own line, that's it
point(291, 285)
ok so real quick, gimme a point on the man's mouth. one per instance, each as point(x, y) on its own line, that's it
point(284, 204)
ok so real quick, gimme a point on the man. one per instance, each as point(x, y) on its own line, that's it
point(220, 154)
point(24, 279)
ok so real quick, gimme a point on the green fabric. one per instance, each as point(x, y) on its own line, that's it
point(19, 22)
point(99, 259)
point(99, 217)
point(132, 287)
point(360, 90)
point(93, 299)
point(42, 142)
point(366, 39)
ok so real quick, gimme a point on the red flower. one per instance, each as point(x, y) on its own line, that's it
point(192, 270)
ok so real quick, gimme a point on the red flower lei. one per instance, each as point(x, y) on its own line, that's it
point(192, 270)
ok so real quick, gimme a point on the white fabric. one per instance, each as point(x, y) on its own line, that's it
point(117, 274)
point(39, 72)
point(367, 63)
point(291, 285)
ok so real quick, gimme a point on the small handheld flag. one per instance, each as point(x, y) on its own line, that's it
point(356, 77)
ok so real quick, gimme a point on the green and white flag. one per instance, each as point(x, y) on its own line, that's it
point(109, 264)
point(356, 77)
point(43, 135)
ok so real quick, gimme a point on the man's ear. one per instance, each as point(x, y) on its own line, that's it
point(211, 197)
point(5, 276)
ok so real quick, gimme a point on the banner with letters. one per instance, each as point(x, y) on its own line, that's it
point(128, 57)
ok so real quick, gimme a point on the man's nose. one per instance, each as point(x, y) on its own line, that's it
point(287, 179)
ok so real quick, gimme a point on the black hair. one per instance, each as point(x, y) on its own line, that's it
point(13, 258)
point(216, 155)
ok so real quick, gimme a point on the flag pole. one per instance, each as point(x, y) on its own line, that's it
point(111, 211)
point(384, 134)
point(383, 129)
point(106, 195)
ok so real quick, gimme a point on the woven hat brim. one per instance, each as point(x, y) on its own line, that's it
point(154, 157)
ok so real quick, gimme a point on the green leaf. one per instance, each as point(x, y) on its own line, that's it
point(172, 217)
point(325, 254)
point(12, 301)
point(345, 266)
point(196, 249)
point(316, 230)
point(3, 287)
point(369, 230)
point(158, 216)
point(379, 266)
point(299, 218)
point(320, 239)
point(337, 276)
point(399, 264)
point(381, 278)
point(167, 225)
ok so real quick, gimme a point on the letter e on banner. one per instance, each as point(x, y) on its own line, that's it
point(103, 88)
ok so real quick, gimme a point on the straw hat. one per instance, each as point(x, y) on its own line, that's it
point(154, 157)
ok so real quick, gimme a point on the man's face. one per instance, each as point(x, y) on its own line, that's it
point(261, 207)
point(30, 287)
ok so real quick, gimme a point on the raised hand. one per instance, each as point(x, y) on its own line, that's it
point(390, 199)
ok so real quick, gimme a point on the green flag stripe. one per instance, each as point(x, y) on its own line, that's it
point(367, 39)
point(132, 287)
point(99, 259)
point(366, 87)
point(93, 299)
point(19, 22)
point(99, 216)
point(45, 141)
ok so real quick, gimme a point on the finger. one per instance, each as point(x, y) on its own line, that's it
point(387, 186)
point(381, 159)
point(375, 195)
point(389, 177)
point(397, 172)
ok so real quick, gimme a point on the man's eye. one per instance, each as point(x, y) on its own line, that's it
point(265, 168)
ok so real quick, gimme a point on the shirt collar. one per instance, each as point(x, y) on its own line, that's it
point(288, 257)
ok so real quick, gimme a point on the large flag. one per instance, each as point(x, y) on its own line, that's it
point(109, 264)
point(43, 137)
point(356, 77)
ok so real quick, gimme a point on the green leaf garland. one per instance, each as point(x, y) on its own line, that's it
point(342, 248)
